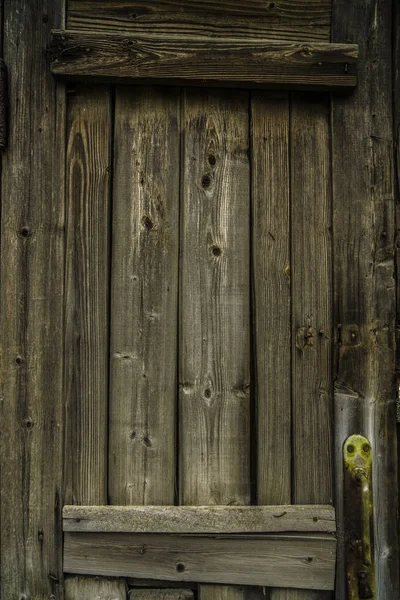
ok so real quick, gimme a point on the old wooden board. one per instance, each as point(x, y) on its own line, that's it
point(144, 288)
point(161, 594)
point(210, 592)
point(86, 339)
point(31, 320)
point(95, 588)
point(199, 519)
point(290, 561)
point(364, 235)
point(290, 20)
point(193, 60)
point(214, 369)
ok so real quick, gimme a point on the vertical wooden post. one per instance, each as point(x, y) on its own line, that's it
point(31, 318)
point(364, 285)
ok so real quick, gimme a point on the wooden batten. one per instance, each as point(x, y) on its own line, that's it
point(185, 60)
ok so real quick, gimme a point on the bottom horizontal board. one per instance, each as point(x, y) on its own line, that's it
point(299, 561)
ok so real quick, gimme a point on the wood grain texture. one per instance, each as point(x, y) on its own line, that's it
point(161, 594)
point(31, 318)
point(144, 297)
point(214, 370)
point(88, 164)
point(362, 141)
point(271, 285)
point(193, 60)
point(311, 276)
point(199, 519)
point(290, 20)
point(95, 588)
point(290, 561)
point(211, 592)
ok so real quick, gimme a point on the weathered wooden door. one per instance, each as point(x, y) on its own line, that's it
point(198, 297)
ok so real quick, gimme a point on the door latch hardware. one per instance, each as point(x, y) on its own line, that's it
point(358, 518)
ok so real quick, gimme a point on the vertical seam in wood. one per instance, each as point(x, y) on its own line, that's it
point(292, 461)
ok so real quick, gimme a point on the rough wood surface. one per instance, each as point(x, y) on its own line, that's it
point(95, 588)
point(271, 285)
point(86, 338)
point(283, 19)
point(363, 200)
point(184, 60)
point(311, 277)
point(214, 370)
point(199, 519)
point(291, 561)
point(211, 592)
point(31, 318)
point(144, 297)
point(161, 594)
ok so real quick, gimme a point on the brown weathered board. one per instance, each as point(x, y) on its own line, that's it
point(364, 284)
point(144, 297)
point(214, 369)
point(199, 519)
point(31, 319)
point(282, 20)
point(86, 337)
point(95, 588)
point(302, 561)
point(192, 60)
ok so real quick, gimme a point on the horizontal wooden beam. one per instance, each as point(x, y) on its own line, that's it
point(207, 61)
point(299, 561)
point(199, 519)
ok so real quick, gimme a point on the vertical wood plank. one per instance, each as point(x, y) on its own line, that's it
point(214, 364)
point(271, 285)
point(363, 198)
point(95, 588)
point(31, 323)
point(218, 592)
point(144, 297)
point(86, 294)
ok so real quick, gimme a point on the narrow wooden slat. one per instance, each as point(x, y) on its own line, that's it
point(364, 237)
point(271, 281)
point(283, 19)
point(216, 61)
point(95, 588)
point(214, 368)
point(290, 561)
point(144, 297)
point(31, 318)
point(161, 594)
point(199, 519)
point(86, 294)
point(210, 592)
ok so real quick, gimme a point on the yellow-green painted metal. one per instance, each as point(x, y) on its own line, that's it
point(358, 502)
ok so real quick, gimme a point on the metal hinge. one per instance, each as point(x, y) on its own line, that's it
point(358, 517)
point(3, 105)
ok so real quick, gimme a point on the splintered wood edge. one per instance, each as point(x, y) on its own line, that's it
point(184, 60)
point(202, 519)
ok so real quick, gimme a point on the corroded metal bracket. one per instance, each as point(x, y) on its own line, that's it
point(358, 503)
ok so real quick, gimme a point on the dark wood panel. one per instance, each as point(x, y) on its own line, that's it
point(290, 20)
point(86, 350)
point(31, 319)
point(144, 290)
point(193, 60)
point(290, 561)
point(364, 283)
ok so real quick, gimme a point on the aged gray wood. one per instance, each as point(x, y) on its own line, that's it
point(302, 561)
point(210, 592)
point(214, 370)
point(311, 276)
point(218, 61)
point(364, 263)
point(31, 319)
point(161, 594)
point(199, 519)
point(144, 297)
point(86, 294)
point(95, 588)
point(271, 284)
point(284, 19)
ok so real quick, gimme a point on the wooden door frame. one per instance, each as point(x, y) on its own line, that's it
point(32, 262)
